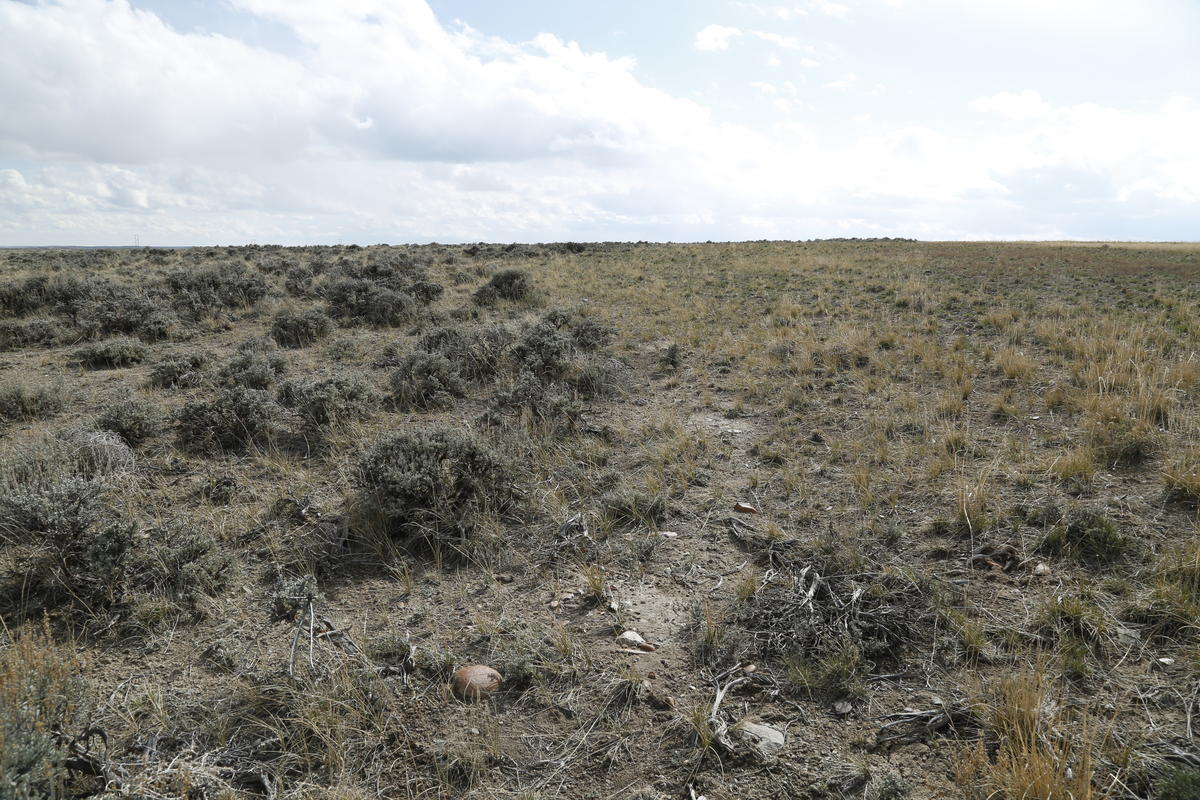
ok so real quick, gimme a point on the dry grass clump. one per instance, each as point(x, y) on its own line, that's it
point(1034, 746)
point(1181, 477)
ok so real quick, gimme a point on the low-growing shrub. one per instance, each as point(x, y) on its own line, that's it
point(475, 352)
point(434, 484)
point(357, 300)
point(508, 284)
point(201, 290)
point(21, 402)
point(42, 695)
point(324, 402)
point(120, 351)
point(1088, 535)
point(76, 549)
point(544, 350)
point(128, 310)
point(424, 381)
point(184, 564)
point(235, 418)
point(300, 328)
point(132, 419)
point(257, 365)
point(529, 400)
point(180, 370)
point(19, 333)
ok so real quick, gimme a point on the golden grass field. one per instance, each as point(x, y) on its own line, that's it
point(258, 504)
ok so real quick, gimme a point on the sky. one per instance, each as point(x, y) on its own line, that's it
point(173, 122)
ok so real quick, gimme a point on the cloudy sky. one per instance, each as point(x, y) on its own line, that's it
point(311, 121)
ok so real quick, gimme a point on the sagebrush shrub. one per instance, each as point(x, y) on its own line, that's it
point(528, 399)
point(42, 695)
point(425, 380)
point(324, 402)
point(508, 284)
point(475, 352)
point(185, 564)
point(235, 418)
point(120, 351)
point(300, 328)
point(19, 333)
point(433, 483)
point(357, 300)
point(544, 350)
point(21, 402)
point(180, 370)
point(132, 419)
point(201, 290)
point(128, 310)
point(80, 549)
point(257, 365)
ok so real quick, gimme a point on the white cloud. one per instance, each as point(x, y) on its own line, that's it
point(843, 83)
point(386, 125)
point(1026, 104)
point(714, 38)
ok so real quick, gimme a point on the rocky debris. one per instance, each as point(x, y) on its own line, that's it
point(475, 682)
point(763, 740)
point(842, 708)
point(633, 639)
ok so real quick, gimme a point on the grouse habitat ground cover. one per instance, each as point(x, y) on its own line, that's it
point(836, 519)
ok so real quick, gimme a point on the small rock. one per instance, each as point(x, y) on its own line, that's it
point(475, 682)
point(842, 708)
point(749, 669)
point(1041, 569)
point(634, 639)
point(763, 739)
point(1163, 663)
point(554, 604)
point(745, 508)
point(668, 534)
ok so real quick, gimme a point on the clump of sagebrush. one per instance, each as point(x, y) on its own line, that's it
point(132, 419)
point(300, 328)
point(508, 284)
point(1088, 535)
point(527, 400)
point(183, 564)
point(180, 370)
point(358, 300)
point(324, 402)
point(19, 333)
point(200, 290)
point(39, 293)
point(425, 381)
point(234, 419)
point(434, 484)
point(121, 309)
point(71, 548)
point(257, 365)
point(19, 401)
point(475, 352)
point(42, 696)
point(586, 333)
point(120, 351)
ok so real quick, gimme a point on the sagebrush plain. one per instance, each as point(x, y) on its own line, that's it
point(925, 512)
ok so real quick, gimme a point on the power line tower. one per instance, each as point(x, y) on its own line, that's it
point(137, 240)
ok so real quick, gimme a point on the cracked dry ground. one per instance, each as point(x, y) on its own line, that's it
point(973, 566)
